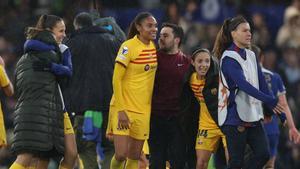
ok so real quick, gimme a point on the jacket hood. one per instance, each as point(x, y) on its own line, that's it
point(36, 45)
point(43, 41)
point(46, 37)
point(92, 29)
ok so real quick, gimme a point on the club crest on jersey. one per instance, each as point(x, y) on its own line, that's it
point(125, 50)
point(147, 67)
point(268, 78)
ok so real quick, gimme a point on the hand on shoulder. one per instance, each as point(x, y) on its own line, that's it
point(2, 61)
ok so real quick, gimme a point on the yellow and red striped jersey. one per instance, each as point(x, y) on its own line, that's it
point(140, 61)
point(4, 81)
point(205, 119)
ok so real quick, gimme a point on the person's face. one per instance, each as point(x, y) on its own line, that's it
point(242, 35)
point(148, 28)
point(166, 39)
point(201, 63)
point(59, 31)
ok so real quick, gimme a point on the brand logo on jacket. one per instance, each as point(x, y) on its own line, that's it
point(214, 91)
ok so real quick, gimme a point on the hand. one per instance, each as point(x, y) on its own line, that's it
point(143, 162)
point(41, 65)
point(2, 61)
point(279, 108)
point(294, 135)
point(123, 120)
point(109, 136)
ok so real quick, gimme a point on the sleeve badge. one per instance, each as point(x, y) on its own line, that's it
point(124, 50)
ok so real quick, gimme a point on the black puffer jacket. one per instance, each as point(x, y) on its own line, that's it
point(93, 52)
point(189, 104)
point(38, 123)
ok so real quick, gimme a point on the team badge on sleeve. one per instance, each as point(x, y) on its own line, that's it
point(123, 53)
point(124, 50)
point(122, 57)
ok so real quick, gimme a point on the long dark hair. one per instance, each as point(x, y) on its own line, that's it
point(45, 22)
point(224, 38)
point(137, 21)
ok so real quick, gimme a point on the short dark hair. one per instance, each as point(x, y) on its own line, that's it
point(177, 30)
point(83, 20)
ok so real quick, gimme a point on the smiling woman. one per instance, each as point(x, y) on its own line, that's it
point(201, 89)
point(133, 82)
point(201, 63)
point(39, 112)
point(59, 31)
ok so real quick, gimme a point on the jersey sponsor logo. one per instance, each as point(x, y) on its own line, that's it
point(180, 64)
point(122, 57)
point(125, 50)
point(267, 77)
point(147, 67)
point(200, 142)
point(269, 81)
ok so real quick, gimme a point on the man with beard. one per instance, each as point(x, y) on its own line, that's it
point(166, 140)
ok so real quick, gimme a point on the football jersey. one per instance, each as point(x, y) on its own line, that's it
point(140, 61)
point(205, 119)
point(277, 87)
point(4, 81)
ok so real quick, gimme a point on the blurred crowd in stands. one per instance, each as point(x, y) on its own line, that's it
point(275, 28)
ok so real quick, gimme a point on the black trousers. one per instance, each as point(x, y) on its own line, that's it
point(87, 149)
point(166, 143)
point(238, 137)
